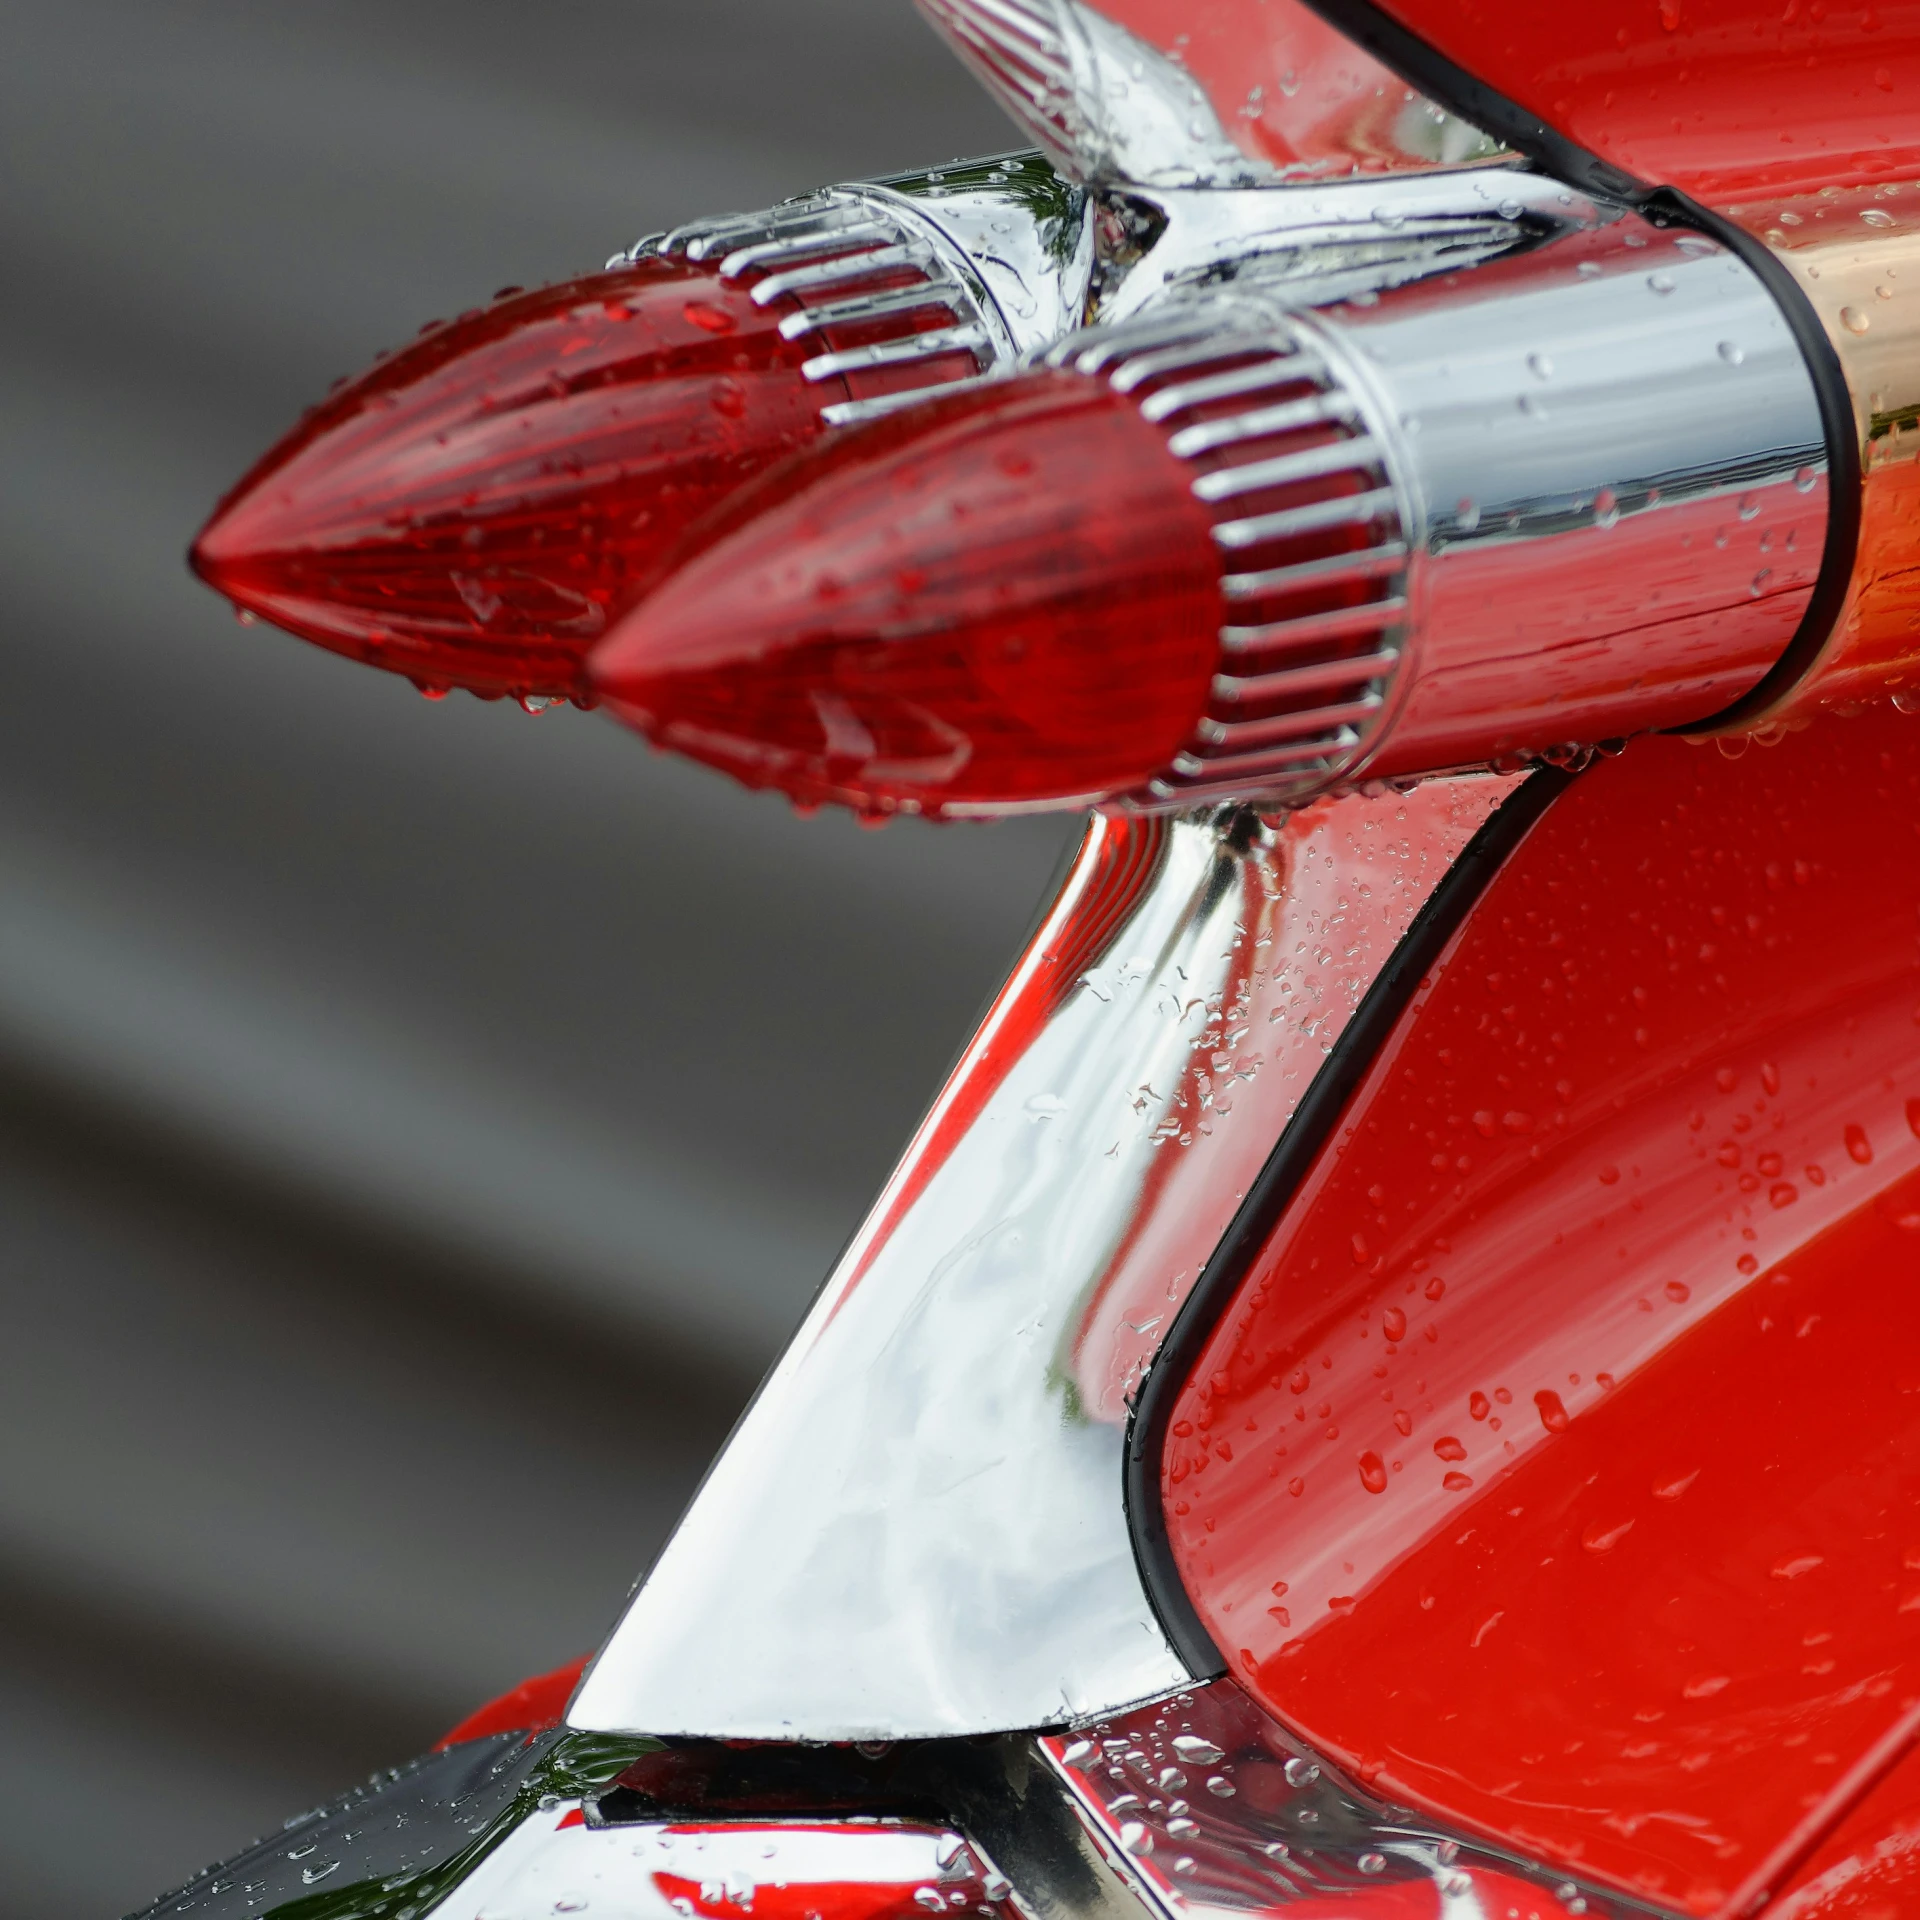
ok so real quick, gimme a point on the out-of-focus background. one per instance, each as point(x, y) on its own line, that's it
point(419, 1124)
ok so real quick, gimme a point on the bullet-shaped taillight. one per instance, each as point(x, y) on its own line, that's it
point(1239, 548)
point(476, 509)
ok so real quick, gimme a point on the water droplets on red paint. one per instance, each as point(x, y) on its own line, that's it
point(1393, 1323)
point(1373, 1473)
point(1599, 1537)
point(1553, 1411)
point(1479, 1405)
point(1457, 1482)
point(1859, 1147)
point(1448, 1448)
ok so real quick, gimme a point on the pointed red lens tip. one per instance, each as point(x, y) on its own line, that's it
point(1001, 600)
point(476, 510)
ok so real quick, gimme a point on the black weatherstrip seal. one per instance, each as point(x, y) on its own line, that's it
point(1842, 432)
point(1299, 1145)
point(1441, 79)
point(1427, 68)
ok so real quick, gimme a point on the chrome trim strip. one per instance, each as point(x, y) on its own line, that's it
point(917, 1529)
point(1216, 1810)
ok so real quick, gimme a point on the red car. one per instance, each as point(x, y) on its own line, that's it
point(1388, 1383)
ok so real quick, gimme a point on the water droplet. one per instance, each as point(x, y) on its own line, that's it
point(1393, 1323)
point(1854, 320)
point(1877, 217)
point(571, 1903)
point(1479, 1405)
point(1758, 584)
point(1540, 366)
point(1661, 282)
point(1171, 1779)
point(1804, 479)
point(1606, 508)
point(1195, 1751)
point(1301, 1773)
point(1553, 1412)
point(1373, 1476)
point(930, 1898)
point(1219, 1784)
point(1078, 1752)
point(1599, 1537)
point(1734, 356)
point(1457, 1482)
point(708, 318)
point(1448, 1448)
point(995, 1884)
point(1509, 209)
point(1372, 1863)
point(1859, 1147)
point(1466, 515)
point(1135, 1838)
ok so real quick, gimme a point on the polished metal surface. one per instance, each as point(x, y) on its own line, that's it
point(1215, 1809)
point(1002, 245)
point(1856, 256)
point(1332, 240)
point(563, 1859)
point(1112, 106)
point(1546, 475)
point(917, 1530)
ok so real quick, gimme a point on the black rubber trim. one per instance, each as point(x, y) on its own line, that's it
point(1453, 87)
point(1844, 478)
point(1306, 1133)
point(1426, 68)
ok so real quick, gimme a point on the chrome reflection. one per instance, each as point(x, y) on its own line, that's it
point(1210, 1808)
point(563, 1859)
point(1147, 106)
point(981, 260)
point(917, 1529)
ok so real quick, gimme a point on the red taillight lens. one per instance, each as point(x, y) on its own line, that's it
point(472, 511)
point(1007, 598)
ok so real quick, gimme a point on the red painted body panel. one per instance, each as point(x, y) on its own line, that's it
point(1291, 89)
point(1555, 1467)
point(1722, 98)
point(1869, 1867)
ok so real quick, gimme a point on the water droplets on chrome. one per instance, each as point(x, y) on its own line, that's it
point(1277, 1829)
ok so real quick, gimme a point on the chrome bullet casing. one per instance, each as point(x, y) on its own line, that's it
point(1003, 245)
point(1550, 475)
point(917, 1530)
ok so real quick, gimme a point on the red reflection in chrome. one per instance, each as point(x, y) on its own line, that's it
point(1720, 97)
point(531, 1707)
point(1554, 1467)
point(474, 510)
point(1869, 1868)
point(1295, 92)
point(1005, 597)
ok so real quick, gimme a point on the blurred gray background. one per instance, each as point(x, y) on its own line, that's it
point(419, 1124)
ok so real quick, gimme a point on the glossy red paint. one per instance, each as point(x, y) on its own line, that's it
point(1693, 93)
point(1869, 1867)
point(1553, 1467)
point(532, 1707)
point(1004, 598)
point(475, 510)
point(1293, 91)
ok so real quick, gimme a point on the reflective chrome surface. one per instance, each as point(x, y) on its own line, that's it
point(1334, 239)
point(917, 1530)
point(1548, 475)
point(1214, 1809)
point(1856, 255)
point(1003, 245)
point(1115, 105)
point(563, 1859)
